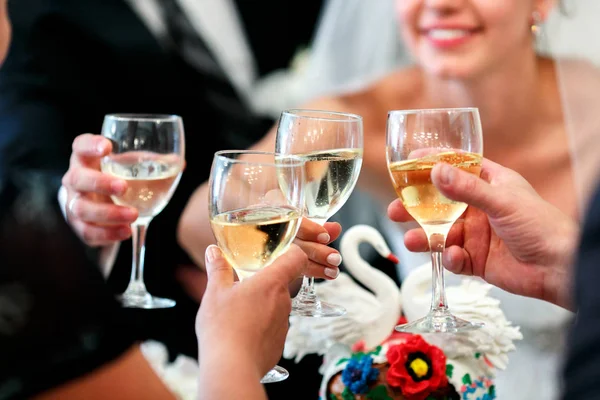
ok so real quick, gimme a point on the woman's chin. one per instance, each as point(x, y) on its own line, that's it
point(450, 69)
point(450, 72)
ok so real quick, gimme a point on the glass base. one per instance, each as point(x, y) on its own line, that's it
point(317, 308)
point(277, 374)
point(440, 321)
point(144, 301)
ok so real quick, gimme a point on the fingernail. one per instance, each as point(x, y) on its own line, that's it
point(212, 253)
point(324, 238)
point(446, 174)
point(118, 187)
point(334, 259)
point(332, 272)
point(100, 148)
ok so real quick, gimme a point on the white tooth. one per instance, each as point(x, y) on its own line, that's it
point(447, 33)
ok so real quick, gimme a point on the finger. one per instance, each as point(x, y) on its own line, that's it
point(91, 181)
point(456, 235)
point(456, 259)
point(313, 232)
point(218, 269)
point(397, 212)
point(334, 229)
point(289, 266)
point(95, 235)
point(463, 186)
point(89, 145)
point(420, 153)
point(101, 213)
point(416, 240)
point(328, 258)
point(321, 271)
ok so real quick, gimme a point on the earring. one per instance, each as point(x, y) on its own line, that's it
point(536, 24)
point(540, 41)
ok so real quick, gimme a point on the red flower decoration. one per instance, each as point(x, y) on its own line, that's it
point(416, 368)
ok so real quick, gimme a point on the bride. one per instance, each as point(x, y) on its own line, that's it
point(528, 65)
point(524, 63)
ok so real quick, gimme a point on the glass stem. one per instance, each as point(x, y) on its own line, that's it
point(138, 237)
point(307, 290)
point(437, 243)
point(309, 285)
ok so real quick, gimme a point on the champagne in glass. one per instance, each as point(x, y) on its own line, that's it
point(331, 143)
point(412, 182)
point(256, 201)
point(254, 237)
point(148, 153)
point(330, 178)
point(416, 141)
point(150, 183)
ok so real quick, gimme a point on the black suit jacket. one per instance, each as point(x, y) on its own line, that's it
point(73, 61)
point(58, 320)
point(582, 368)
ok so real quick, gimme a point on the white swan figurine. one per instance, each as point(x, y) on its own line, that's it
point(371, 315)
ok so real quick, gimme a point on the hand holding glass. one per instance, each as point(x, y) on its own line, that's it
point(416, 141)
point(256, 201)
point(331, 143)
point(148, 153)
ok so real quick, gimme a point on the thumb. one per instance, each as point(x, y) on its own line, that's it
point(288, 266)
point(218, 269)
point(466, 187)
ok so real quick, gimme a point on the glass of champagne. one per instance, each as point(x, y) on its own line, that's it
point(331, 143)
point(416, 141)
point(256, 201)
point(148, 153)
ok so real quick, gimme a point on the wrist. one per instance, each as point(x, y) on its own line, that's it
point(228, 356)
point(558, 282)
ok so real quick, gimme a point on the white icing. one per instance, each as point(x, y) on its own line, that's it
point(469, 300)
point(180, 376)
point(479, 353)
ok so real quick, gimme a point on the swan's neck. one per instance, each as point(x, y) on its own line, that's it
point(376, 281)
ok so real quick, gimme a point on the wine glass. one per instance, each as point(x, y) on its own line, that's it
point(256, 201)
point(148, 153)
point(331, 143)
point(416, 141)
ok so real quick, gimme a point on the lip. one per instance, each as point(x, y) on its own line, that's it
point(449, 36)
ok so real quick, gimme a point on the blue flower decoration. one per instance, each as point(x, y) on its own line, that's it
point(359, 373)
point(469, 390)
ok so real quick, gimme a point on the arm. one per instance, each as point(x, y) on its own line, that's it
point(241, 350)
point(128, 377)
point(216, 382)
point(193, 232)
